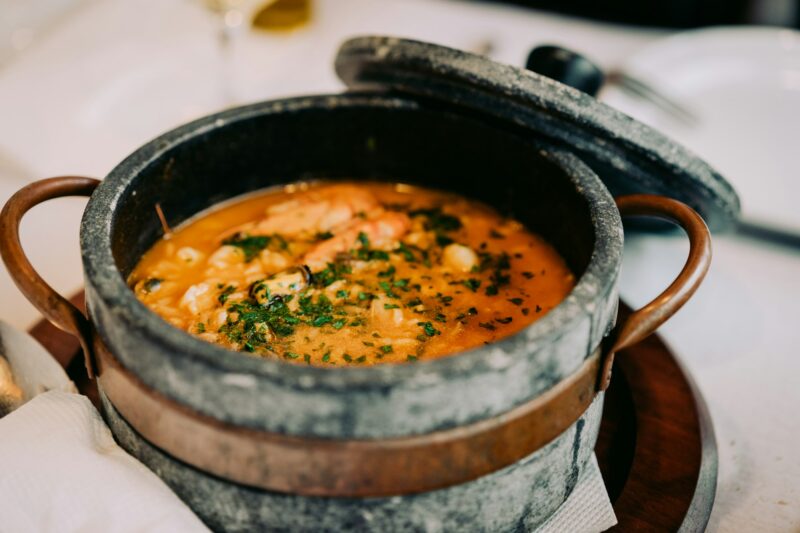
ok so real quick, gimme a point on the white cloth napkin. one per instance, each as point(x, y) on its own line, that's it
point(61, 471)
point(587, 510)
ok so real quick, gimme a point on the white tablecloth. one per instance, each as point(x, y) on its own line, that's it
point(92, 90)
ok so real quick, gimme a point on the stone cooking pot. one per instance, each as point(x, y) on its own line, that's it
point(492, 439)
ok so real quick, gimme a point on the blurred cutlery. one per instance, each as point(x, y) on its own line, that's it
point(579, 72)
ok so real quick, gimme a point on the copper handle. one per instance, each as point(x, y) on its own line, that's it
point(646, 320)
point(52, 305)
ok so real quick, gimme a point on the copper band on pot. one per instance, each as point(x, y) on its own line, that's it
point(347, 468)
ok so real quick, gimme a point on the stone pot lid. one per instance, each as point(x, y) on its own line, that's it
point(629, 156)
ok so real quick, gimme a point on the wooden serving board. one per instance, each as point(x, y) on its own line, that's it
point(656, 447)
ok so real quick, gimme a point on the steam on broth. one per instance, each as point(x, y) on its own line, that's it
point(338, 274)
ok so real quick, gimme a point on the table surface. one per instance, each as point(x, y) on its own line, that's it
point(91, 87)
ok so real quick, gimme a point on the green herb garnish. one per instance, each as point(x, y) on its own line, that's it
point(389, 272)
point(428, 328)
point(406, 252)
point(332, 272)
point(438, 220)
point(250, 246)
point(472, 284)
point(223, 296)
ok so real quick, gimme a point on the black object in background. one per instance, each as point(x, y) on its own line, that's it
point(676, 13)
point(567, 67)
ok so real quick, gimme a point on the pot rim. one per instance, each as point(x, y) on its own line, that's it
point(107, 282)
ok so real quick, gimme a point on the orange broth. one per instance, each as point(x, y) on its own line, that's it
point(351, 274)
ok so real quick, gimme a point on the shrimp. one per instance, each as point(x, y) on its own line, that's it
point(319, 212)
point(383, 232)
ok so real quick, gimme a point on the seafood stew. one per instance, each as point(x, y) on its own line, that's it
point(337, 274)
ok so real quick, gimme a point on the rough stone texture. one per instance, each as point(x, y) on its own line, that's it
point(628, 155)
point(389, 137)
point(517, 498)
point(550, 190)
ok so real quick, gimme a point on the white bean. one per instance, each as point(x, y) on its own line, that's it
point(460, 257)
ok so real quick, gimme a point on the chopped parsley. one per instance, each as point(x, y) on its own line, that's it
point(389, 272)
point(413, 302)
point(321, 320)
point(437, 220)
point(406, 252)
point(250, 246)
point(428, 328)
point(332, 272)
point(387, 289)
point(443, 240)
point(225, 294)
point(253, 321)
point(365, 254)
point(472, 284)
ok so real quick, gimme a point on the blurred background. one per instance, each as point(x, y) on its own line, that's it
point(83, 83)
point(678, 13)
